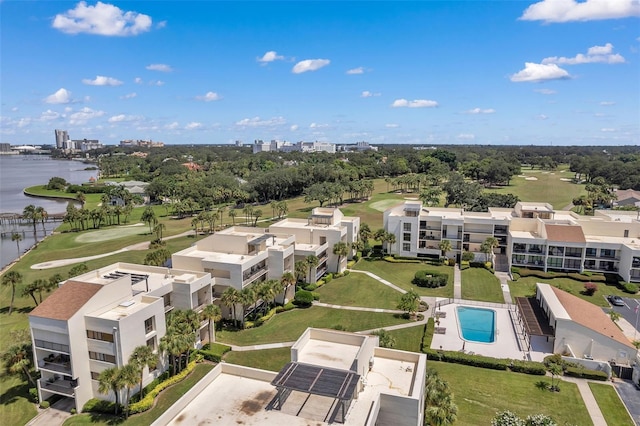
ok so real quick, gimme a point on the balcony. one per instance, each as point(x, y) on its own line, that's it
point(51, 346)
point(253, 275)
point(58, 386)
point(55, 364)
point(501, 230)
point(168, 308)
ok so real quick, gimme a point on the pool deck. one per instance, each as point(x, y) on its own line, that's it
point(505, 345)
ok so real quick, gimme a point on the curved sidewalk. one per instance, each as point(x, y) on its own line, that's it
point(64, 262)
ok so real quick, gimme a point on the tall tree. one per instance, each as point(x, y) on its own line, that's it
point(17, 359)
point(12, 278)
point(440, 408)
point(212, 314)
point(17, 238)
point(142, 356)
point(129, 379)
point(312, 262)
point(109, 381)
point(340, 249)
point(149, 217)
point(30, 212)
point(230, 298)
point(444, 246)
point(409, 302)
point(488, 245)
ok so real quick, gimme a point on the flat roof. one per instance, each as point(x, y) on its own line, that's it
point(554, 304)
point(317, 380)
point(329, 354)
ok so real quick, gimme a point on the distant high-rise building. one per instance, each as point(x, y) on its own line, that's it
point(62, 136)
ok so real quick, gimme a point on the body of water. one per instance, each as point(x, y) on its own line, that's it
point(18, 172)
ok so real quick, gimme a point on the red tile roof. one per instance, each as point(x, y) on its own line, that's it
point(66, 300)
point(565, 233)
point(591, 316)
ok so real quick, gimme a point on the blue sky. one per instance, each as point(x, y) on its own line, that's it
point(561, 72)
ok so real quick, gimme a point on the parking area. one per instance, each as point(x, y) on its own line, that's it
point(630, 395)
point(628, 311)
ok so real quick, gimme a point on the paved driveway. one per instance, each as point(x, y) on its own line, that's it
point(628, 311)
point(631, 397)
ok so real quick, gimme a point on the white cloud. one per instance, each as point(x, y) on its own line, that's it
point(270, 56)
point(355, 71)
point(62, 96)
point(466, 136)
point(159, 67)
point(595, 54)
point(84, 115)
point(121, 117)
point(589, 10)
point(209, 96)
point(533, 72)
point(258, 122)
point(138, 80)
point(481, 111)
point(161, 24)
point(294, 127)
point(156, 83)
point(193, 125)
point(129, 95)
point(368, 94)
point(101, 80)
point(14, 109)
point(309, 65)
point(608, 130)
point(49, 115)
point(545, 91)
point(318, 126)
point(391, 126)
point(172, 126)
point(542, 117)
point(607, 103)
point(417, 103)
point(101, 19)
point(24, 122)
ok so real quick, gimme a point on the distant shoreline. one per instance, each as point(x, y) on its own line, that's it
point(51, 197)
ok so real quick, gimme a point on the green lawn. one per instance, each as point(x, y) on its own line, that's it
point(401, 275)
point(266, 359)
point(166, 399)
point(481, 284)
point(288, 326)
point(612, 408)
point(359, 290)
point(15, 408)
point(408, 339)
point(480, 393)
point(548, 187)
point(526, 287)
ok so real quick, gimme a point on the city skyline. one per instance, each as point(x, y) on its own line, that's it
point(534, 72)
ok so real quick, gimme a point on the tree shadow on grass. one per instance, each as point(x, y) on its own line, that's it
point(109, 419)
point(22, 310)
point(13, 394)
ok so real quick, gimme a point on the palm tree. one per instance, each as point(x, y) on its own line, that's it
point(230, 298)
point(444, 246)
point(30, 290)
point(172, 343)
point(300, 268)
point(129, 379)
point(212, 313)
point(43, 215)
point(312, 262)
point(81, 198)
point(247, 298)
point(288, 279)
point(30, 213)
point(12, 278)
point(158, 230)
point(488, 245)
point(194, 224)
point(17, 238)
point(256, 214)
point(440, 408)
point(149, 217)
point(232, 214)
point(109, 381)
point(17, 359)
point(141, 357)
point(340, 249)
point(365, 233)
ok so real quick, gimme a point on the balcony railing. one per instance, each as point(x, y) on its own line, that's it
point(254, 275)
point(51, 346)
point(58, 367)
point(62, 387)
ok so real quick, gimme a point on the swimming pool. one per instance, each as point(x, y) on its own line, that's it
point(477, 324)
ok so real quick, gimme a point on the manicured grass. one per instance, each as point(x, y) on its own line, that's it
point(401, 275)
point(288, 326)
point(266, 359)
point(612, 408)
point(408, 339)
point(479, 393)
point(481, 284)
point(526, 287)
point(15, 408)
point(359, 290)
point(165, 400)
point(548, 187)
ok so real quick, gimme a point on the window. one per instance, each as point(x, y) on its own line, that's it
point(518, 258)
point(423, 224)
point(626, 233)
point(554, 263)
point(94, 375)
point(556, 251)
point(149, 325)
point(422, 244)
point(167, 299)
point(573, 252)
point(406, 227)
point(152, 343)
point(98, 335)
point(607, 253)
point(98, 356)
point(572, 263)
point(591, 252)
point(406, 247)
point(406, 236)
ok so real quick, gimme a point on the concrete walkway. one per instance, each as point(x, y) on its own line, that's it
point(589, 401)
point(64, 262)
point(457, 282)
point(383, 281)
point(54, 415)
point(504, 279)
point(358, 308)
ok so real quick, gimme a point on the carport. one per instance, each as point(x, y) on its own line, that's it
point(535, 321)
point(340, 385)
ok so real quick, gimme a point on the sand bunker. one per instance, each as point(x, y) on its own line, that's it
point(112, 233)
point(383, 205)
point(531, 178)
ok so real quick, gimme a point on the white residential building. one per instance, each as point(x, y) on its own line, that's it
point(531, 234)
point(284, 146)
point(94, 321)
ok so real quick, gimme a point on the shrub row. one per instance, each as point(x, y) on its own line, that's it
point(586, 373)
point(526, 367)
point(430, 279)
point(485, 265)
point(147, 402)
point(525, 272)
point(72, 189)
point(427, 337)
point(392, 259)
point(289, 306)
point(628, 287)
point(214, 352)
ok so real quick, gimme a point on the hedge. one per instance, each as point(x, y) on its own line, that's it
point(303, 298)
point(524, 272)
point(427, 336)
point(429, 279)
point(71, 189)
point(147, 402)
point(289, 306)
point(391, 259)
point(214, 352)
point(586, 373)
point(526, 367)
point(629, 288)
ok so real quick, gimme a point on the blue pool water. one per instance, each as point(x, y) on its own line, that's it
point(477, 324)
